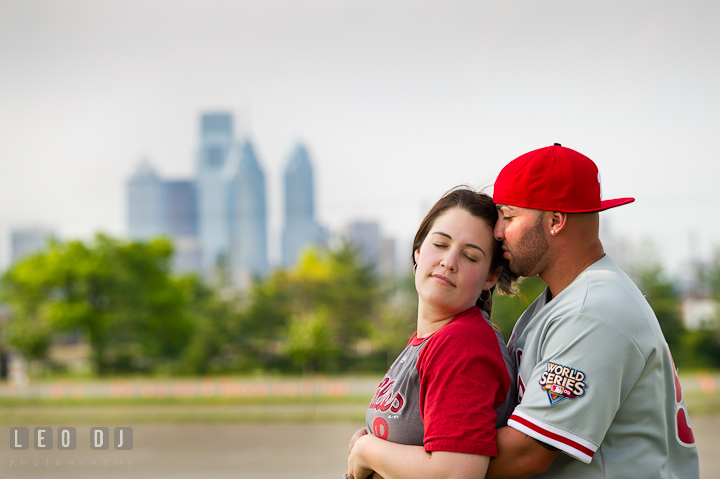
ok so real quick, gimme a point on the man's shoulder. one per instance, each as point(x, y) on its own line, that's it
point(604, 293)
point(609, 291)
point(602, 288)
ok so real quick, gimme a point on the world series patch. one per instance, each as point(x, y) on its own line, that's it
point(561, 382)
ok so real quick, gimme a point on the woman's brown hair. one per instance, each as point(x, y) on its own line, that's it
point(480, 206)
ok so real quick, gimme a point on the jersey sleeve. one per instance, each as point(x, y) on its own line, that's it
point(462, 380)
point(585, 371)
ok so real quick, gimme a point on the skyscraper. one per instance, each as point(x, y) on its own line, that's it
point(181, 223)
point(365, 236)
point(180, 203)
point(217, 221)
point(300, 227)
point(216, 137)
point(244, 183)
point(146, 203)
point(157, 207)
point(372, 247)
point(26, 241)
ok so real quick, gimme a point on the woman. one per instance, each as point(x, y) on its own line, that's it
point(434, 413)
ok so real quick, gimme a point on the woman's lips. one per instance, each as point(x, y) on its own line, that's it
point(442, 279)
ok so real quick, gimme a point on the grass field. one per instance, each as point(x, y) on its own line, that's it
point(223, 400)
point(187, 400)
point(213, 410)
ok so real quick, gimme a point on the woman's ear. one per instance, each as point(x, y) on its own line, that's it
point(416, 255)
point(492, 278)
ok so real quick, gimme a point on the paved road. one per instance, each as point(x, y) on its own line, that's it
point(253, 451)
point(190, 451)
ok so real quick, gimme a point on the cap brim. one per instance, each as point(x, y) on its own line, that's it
point(606, 205)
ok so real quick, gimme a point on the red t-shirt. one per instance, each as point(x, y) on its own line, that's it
point(442, 391)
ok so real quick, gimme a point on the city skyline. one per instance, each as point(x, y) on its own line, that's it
point(398, 103)
point(218, 217)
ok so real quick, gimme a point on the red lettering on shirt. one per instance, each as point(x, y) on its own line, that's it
point(385, 398)
point(683, 431)
point(381, 428)
point(520, 383)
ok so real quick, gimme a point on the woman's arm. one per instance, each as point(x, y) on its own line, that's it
point(399, 461)
point(360, 433)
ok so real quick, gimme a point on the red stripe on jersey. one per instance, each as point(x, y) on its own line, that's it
point(554, 436)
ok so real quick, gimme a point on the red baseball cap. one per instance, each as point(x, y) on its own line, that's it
point(554, 178)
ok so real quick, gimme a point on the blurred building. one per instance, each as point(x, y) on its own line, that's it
point(158, 207)
point(365, 236)
point(146, 203)
point(218, 220)
point(699, 312)
point(181, 210)
point(373, 248)
point(26, 241)
point(698, 307)
point(244, 187)
point(300, 229)
point(388, 262)
point(216, 138)
point(181, 223)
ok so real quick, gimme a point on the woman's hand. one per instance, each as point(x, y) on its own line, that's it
point(357, 462)
point(360, 433)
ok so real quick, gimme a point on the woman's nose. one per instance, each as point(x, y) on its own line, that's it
point(449, 261)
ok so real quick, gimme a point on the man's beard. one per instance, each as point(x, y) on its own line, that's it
point(530, 249)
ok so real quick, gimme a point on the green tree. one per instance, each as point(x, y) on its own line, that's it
point(328, 295)
point(309, 340)
point(396, 320)
point(701, 348)
point(119, 294)
point(31, 337)
point(216, 330)
point(703, 344)
point(508, 309)
point(664, 299)
point(710, 275)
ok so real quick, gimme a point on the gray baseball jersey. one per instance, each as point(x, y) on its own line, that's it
point(596, 380)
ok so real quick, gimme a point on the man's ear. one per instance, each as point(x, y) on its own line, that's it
point(558, 221)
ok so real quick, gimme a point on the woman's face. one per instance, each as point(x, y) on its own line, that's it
point(453, 262)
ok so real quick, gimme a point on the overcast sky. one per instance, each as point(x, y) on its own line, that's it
point(397, 101)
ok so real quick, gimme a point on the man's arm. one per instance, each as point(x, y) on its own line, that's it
point(519, 456)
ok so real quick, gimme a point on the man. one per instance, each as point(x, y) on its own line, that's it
point(596, 381)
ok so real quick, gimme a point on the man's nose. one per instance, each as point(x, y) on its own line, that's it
point(499, 231)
